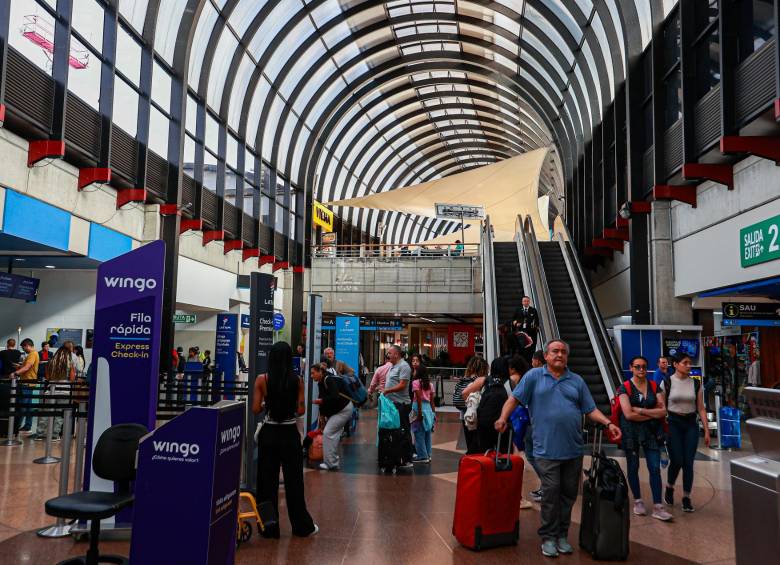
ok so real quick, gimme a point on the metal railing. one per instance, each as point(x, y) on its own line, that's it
point(605, 353)
point(534, 279)
point(414, 274)
point(396, 250)
point(490, 302)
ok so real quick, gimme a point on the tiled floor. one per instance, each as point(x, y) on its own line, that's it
point(365, 517)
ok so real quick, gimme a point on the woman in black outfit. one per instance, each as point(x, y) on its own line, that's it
point(280, 392)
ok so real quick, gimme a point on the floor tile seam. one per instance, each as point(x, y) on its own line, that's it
point(351, 536)
point(438, 535)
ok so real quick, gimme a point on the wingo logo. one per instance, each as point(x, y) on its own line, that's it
point(172, 447)
point(139, 284)
point(230, 434)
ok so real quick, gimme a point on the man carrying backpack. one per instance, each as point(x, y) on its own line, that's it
point(556, 399)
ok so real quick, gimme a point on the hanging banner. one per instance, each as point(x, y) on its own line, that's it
point(348, 340)
point(225, 350)
point(321, 216)
point(261, 338)
point(126, 352)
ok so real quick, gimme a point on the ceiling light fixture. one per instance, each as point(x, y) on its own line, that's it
point(50, 266)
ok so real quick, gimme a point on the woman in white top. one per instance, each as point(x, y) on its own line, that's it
point(684, 400)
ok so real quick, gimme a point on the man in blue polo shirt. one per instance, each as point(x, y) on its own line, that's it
point(556, 399)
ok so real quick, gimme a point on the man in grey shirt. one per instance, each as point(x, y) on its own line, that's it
point(397, 390)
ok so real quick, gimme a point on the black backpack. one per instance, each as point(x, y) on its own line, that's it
point(494, 396)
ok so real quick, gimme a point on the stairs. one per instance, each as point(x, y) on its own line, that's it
point(509, 281)
point(571, 327)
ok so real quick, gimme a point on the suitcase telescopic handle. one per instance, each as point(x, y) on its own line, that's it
point(504, 463)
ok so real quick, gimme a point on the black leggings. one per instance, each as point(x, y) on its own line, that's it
point(280, 446)
point(683, 441)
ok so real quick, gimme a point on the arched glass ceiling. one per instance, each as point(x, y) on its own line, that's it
point(350, 97)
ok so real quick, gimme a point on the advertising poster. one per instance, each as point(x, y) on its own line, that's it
point(225, 348)
point(348, 340)
point(126, 352)
point(673, 346)
point(57, 336)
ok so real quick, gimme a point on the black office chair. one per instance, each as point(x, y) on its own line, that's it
point(113, 460)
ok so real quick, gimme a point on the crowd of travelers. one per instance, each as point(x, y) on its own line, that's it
point(555, 398)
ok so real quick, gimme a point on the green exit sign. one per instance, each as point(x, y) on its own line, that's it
point(760, 242)
point(184, 318)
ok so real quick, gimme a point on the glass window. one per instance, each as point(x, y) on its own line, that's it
point(672, 99)
point(161, 87)
point(757, 27)
point(239, 92)
point(189, 157)
point(191, 121)
point(232, 151)
point(159, 126)
point(212, 133)
point(88, 21)
point(707, 60)
point(168, 22)
point(134, 12)
point(671, 42)
point(128, 56)
point(223, 56)
point(84, 79)
point(203, 29)
point(243, 14)
point(705, 13)
point(35, 39)
point(125, 106)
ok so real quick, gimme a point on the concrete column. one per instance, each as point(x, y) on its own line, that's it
point(666, 308)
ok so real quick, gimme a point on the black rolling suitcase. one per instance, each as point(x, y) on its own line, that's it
point(390, 448)
point(605, 522)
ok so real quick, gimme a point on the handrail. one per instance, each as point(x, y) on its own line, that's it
point(490, 306)
point(399, 250)
point(535, 280)
point(605, 353)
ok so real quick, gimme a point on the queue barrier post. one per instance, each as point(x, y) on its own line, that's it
point(81, 438)
point(61, 529)
point(10, 439)
point(48, 458)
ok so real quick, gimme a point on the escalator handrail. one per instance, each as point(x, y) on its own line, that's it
point(605, 353)
point(538, 289)
point(489, 302)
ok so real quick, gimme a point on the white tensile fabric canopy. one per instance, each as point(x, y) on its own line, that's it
point(506, 189)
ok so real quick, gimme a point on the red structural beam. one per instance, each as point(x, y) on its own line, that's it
point(640, 207)
point(299, 269)
point(280, 265)
point(619, 233)
point(90, 175)
point(213, 235)
point(233, 245)
point(194, 224)
point(2, 114)
point(608, 243)
point(621, 222)
point(169, 210)
point(44, 149)
point(767, 147)
point(723, 174)
point(267, 260)
point(685, 194)
point(127, 195)
point(250, 252)
point(599, 251)
point(777, 109)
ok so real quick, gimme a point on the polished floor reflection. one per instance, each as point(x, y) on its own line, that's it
point(372, 518)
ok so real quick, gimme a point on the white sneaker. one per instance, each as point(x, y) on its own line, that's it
point(660, 513)
point(324, 467)
point(316, 529)
point(639, 508)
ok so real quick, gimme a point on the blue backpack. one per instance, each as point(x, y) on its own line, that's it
point(352, 388)
point(519, 419)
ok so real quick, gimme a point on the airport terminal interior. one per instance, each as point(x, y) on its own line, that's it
point(284, 281)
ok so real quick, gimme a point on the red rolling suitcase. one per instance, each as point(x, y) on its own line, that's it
point(487, 501)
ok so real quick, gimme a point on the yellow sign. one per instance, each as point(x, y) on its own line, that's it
point(321, 216)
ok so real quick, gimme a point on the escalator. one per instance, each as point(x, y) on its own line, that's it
point(508, 279)
point(588, 356)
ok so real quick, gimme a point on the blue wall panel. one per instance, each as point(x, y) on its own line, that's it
point(651, 346)
point(105, 243)
point(35, 220)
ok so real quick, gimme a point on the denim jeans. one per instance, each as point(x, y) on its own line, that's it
point(25, 398)
point(422, 441)
point(653, 460)
point(528, 439)
point(683, 441)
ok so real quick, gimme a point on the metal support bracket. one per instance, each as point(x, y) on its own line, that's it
point(233, 245)
point(44, 149)
point(190, 224)
point(213, 235)
point(685, 193)
point(699, 172)
point(766, 147)
point(250, 252)
point(127, 195)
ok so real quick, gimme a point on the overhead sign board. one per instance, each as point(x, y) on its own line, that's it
point(751, 314)
point(460, 211)
point(760, 242)
point(321, 216)
point(184, 318)
point(19, 287)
